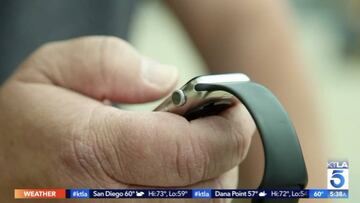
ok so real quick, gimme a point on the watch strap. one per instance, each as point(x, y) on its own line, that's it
point(284, 163)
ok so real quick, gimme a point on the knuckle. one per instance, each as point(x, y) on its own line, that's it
point(39, 56)
point(112, 40)
point(35, 68)
point(116, 150)
point(76, 155)
point(93, 150)
point(241, 143)
point(242, 147)
point(192, 162)
point(44, 48)
point(110, 50)
point(243, 131)
point(112, 57)
point(102, 136)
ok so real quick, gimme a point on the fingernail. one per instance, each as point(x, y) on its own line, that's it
point(157, 74)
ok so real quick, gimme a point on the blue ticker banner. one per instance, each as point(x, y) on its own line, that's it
point(337, 188)
point(260, 193)
point(329, 194)
point(139, 193)
point(201, 193)
point(205, 193)
point(78, 193)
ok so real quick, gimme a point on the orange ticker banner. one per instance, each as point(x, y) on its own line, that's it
point(40, 193)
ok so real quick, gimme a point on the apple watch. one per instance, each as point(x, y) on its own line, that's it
point(210, 94)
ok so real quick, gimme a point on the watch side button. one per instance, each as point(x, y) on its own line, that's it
point(178, 98)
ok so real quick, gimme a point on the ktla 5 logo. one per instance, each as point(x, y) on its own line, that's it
point(338, 175)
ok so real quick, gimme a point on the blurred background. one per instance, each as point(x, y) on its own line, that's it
point(328, 33)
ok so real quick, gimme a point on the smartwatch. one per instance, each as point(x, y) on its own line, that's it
point(210, 94)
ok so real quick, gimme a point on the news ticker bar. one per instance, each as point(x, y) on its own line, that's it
point(175, 193)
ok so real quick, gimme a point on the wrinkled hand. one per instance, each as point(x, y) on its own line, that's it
point(55, 131)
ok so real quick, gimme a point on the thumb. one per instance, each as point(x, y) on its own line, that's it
point(100, 67)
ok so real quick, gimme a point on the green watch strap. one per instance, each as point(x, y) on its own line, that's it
point(284, 163)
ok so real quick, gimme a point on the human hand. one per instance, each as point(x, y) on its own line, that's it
point(55, 131)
